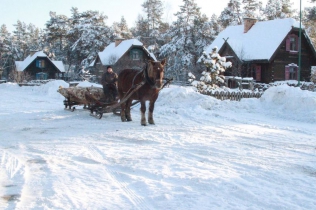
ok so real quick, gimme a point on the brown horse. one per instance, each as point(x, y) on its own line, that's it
point(150, 80)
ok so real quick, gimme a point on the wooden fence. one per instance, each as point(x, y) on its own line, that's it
point(234, 96)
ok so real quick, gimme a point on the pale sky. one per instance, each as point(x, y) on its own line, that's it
point(37, 11)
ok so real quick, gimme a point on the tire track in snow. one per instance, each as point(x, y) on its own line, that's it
point(137, 201)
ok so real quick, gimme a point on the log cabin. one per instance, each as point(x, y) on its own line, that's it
point(267, 51)
point(121, 54)
point(40, 67)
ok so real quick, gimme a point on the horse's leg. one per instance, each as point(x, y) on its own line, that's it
point(128, 110)
point(123, 115)
point(151, 111)
point(143, 110)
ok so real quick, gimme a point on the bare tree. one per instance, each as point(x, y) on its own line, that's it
point(19, 77)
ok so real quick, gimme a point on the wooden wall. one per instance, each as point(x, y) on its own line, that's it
point(50, 69)
point(283, 58)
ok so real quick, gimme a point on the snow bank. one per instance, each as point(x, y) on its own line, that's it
point(51, 88)
point(281, 101)
point(290, 102)
point(9, 85)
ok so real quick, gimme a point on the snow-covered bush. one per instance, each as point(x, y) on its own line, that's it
point(212, 78)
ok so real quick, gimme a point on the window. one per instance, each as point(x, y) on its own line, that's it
point(40, 63)
point(291, 72)
point(293, 46)
point(136, 54)
point(292, 43)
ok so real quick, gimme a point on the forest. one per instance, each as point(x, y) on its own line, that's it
point(77, 39)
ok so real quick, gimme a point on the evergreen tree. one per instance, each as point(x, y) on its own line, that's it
point(204, 32)
point(309, 21)
point(35, 41)
point(88, 35)
point(150, 27)
point(251, 8)
point(154, 12)
point(213, 77)
point(186, 40)
point(232, 14)
point(56, 34)
point(287, 8)
point(121, 29)
point(6, 59)
point(140, 29)
point(20, 48)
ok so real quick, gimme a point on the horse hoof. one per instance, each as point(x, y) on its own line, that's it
point(144, 124)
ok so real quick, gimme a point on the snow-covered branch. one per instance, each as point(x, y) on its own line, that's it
point(213, 76)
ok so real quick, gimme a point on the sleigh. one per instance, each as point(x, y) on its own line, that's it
point(74, 96)
point(91, 98)
point(94, 100)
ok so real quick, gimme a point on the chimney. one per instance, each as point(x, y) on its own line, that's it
point(248, 23)
point(118, 41)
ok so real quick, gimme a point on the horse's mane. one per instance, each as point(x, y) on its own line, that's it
point(149, 73)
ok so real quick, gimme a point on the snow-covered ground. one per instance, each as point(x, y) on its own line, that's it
point(201, 154)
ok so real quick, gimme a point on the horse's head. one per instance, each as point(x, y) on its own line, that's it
point(156, 72)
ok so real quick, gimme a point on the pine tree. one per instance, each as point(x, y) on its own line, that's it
point(56, 34)
point(232, 14)
point(6, 59)
point(278, 9)
point(88, 36)
point(309, 21)
point(121, 29)
point(213, 77)
point(140, 29)
point(154, 12)
point(204, 32)
point(184, 45)
point(19, 42)
point(251, 8)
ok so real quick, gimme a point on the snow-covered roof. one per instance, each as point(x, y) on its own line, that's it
point(22, 65)
point(259, 43)
point(59, 65)
point(112, 53)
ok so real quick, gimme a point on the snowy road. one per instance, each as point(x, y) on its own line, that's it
point(201, 154)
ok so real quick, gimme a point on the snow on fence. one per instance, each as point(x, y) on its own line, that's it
point(234, 96)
